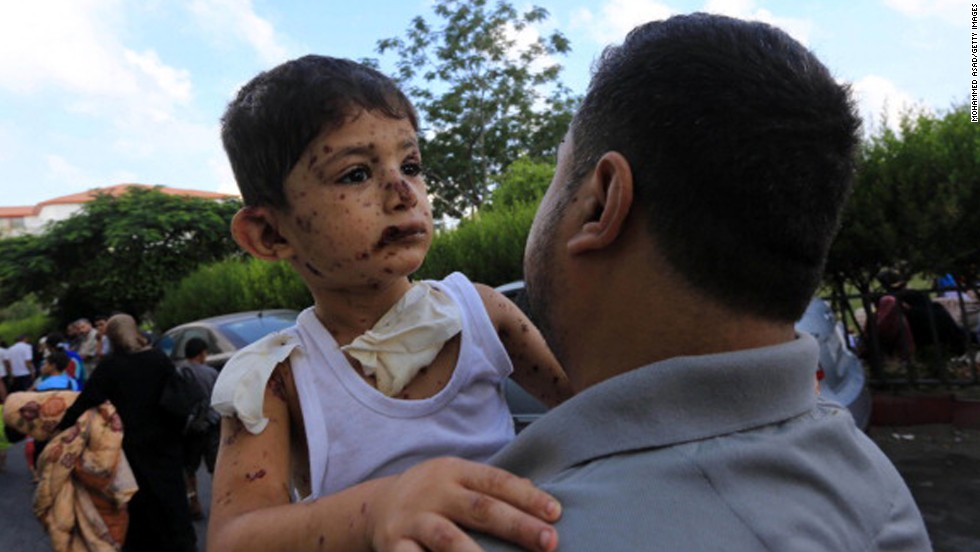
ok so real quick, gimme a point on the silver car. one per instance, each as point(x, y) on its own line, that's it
point(225, 334)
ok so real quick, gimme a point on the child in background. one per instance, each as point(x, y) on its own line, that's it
point(381, 373)
point(53, 375)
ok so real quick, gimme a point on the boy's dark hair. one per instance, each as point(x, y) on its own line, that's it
point(276, 115)
point(741, 146)
point(54, 339)
point(59, 359)
point(194, 347)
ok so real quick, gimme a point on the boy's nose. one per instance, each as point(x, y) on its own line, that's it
point(401, 195)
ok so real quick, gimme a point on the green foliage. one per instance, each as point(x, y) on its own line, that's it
point(525, 181)
point(25, 316)
point(488, 248)
point(916, 202)
point(117, 253)
point(230, 286)
point(497, 101)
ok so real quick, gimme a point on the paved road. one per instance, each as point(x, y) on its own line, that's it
point(939, 463)
point(20, 531)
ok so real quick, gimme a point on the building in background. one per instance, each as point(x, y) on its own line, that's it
point(18, 221)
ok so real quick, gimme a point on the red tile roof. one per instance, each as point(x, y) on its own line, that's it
point(120, 189)
point(117, 190)
point(16, 212)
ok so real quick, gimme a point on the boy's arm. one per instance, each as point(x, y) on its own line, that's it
point(535, 367)
point(418, 509)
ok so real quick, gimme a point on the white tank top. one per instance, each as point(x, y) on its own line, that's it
point(355, 433)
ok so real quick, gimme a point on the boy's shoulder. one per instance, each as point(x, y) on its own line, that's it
point(240, 388)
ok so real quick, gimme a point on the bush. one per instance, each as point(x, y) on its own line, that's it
point(488, 248)
point(25, 316)
point(35, 325)
point(231, 286)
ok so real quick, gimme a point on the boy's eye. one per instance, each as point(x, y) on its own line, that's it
point(412, 169)
point(354, 176)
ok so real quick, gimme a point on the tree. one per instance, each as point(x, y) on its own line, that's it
point(499, 100)
point(916, 202)
point(117, 253)
point(523, 181)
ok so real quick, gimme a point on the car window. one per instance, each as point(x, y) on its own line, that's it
point(181, 341)
point(243, 332)
point(166, 344)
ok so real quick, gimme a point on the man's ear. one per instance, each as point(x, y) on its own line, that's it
point(256, 230)
point(609, 198)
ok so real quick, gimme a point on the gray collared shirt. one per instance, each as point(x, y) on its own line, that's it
point(729, 452)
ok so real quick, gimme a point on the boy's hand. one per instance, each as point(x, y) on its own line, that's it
point(424, 507)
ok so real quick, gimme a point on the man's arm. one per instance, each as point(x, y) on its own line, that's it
point(535, 367)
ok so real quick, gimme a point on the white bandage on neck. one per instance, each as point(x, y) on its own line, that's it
point(407, 338)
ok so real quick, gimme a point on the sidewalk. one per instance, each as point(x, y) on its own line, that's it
point(934, 441)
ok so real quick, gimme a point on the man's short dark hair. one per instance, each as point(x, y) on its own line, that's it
point(194, 347)
point(276, 115)
point(59, 359)
point(741, 145)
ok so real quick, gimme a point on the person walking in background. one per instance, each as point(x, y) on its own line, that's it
point(54, 374)
point(203, 432)
point(133, 379)
point(88, 342)
point(20, 365)
point(55, 342)
point(99, 322)
point(53, 378)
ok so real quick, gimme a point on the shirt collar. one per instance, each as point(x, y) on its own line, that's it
point(669, 402)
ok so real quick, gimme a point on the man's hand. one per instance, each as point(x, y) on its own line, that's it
point(424, 507)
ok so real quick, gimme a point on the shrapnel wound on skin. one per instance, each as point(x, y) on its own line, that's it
point(252, 476)
point(277, 384)
point(313, 269)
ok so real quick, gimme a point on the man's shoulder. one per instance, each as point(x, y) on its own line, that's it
point(704, 493)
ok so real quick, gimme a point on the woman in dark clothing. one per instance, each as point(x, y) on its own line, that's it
point(132, 379)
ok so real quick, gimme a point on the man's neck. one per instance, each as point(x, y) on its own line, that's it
point(663, 320)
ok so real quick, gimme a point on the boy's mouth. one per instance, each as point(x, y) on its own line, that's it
point(394, 234)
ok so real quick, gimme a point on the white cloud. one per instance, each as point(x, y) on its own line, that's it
point(66, 43)
point(237, 20)
point(60, 169)
point(71, 46)
point(745, 9)
point(618, 17)
point(877, 98)
point(955, 12)
point(175, 83)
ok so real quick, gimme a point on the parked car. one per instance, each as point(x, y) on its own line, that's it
point(840, 372)
point(225, 334)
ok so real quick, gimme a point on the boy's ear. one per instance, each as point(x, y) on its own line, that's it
point(608, 198)
point(256, 230)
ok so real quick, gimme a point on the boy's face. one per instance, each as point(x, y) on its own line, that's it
point(359, 213)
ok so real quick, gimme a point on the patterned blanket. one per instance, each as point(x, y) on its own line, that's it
point(85, 481)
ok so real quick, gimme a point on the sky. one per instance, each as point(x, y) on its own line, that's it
point(95, 93)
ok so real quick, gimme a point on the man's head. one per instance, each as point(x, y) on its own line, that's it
point(54, 340)
point(276, 115)
point(56, 363)
point(196, 349)
point(82, 325)
point(739, 146)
